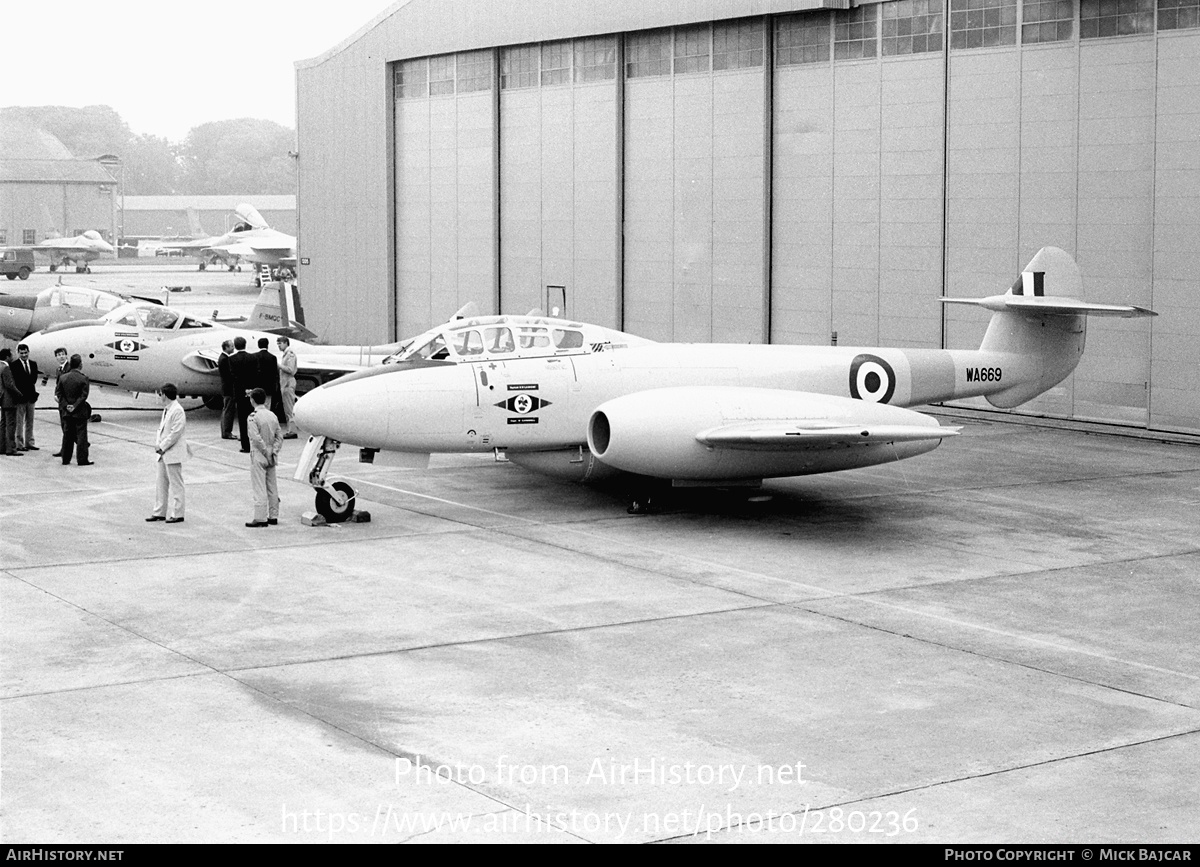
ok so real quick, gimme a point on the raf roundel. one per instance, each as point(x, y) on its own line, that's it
point(872, 379)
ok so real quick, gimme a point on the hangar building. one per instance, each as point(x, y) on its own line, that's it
point(45, 189)
point(765, 171)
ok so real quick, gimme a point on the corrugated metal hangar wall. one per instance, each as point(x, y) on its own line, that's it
point(779, 177)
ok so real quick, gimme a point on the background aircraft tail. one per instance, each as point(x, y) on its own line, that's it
point(278, 311)
point(194, 228)
point(1042, 321)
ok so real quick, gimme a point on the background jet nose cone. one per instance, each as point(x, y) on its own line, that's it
point(16, 315)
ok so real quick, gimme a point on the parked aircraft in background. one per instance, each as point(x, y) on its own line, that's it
point(277, 310)
point(582, 401)
point(250, 240)
point(71, 251)
point(138, 347)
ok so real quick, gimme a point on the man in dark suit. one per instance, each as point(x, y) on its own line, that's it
point(229, 408)
point(25, 374)
point(244, 368)
point(10, 396)
point(268, 372)
point(73, 388)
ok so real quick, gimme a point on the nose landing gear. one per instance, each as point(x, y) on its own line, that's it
point(334, 500)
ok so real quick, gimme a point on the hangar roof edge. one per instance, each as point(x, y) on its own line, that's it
point(304, 63)
point(596, 17)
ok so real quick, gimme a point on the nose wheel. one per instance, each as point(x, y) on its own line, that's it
point(335, 505)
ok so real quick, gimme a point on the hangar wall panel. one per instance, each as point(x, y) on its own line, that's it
point(1116, 221)
point(910, 201)
point(342, 116)
point(444, 207)
point(856, 157)
point(521, 186)
point(694, 206)
point(982, 184)
point(650, 208)
point(558, 198)
point(1175, 350)
point(592, 283)
point(802, 205)
point(1049, 176)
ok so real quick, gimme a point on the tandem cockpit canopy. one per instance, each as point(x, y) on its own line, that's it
point(495, 337)
point(153, 316)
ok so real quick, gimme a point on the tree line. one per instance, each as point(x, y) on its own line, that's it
point(247, 155)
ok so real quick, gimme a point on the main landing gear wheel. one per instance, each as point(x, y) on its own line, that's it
point(214, 401)
point(328, 508)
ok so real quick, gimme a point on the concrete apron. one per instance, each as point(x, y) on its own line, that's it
point(993, 642)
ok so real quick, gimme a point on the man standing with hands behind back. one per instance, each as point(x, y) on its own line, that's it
point(172, 450)
point(73, 388)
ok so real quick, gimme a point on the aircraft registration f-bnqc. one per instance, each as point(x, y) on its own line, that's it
point(583, 401)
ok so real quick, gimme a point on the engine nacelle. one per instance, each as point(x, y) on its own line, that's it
point(656, 433)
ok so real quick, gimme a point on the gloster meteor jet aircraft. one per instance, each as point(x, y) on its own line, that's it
point(582, 401)
point(138, 347)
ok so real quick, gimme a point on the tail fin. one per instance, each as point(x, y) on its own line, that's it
point(194, 228)
point(278, 311)
point(1042, 320)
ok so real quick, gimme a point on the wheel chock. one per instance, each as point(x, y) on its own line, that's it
point(360, 517)
point(312, 519)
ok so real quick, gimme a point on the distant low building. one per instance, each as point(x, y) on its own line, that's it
point(168, 217)
point(46, 191)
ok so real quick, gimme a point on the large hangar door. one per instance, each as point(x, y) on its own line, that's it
point(445, 196)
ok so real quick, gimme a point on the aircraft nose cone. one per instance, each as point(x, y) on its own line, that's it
point(41, 350)
point(351, 412)
point(16, 315)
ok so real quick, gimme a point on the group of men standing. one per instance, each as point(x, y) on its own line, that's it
point(18, 395)
point(242, 372)
point(173, 450)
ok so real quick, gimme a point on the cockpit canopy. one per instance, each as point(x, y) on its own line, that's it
point(79, 298)
point(501, 337)
point(154, 317)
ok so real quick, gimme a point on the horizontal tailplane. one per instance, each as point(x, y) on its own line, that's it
point(1041, 323)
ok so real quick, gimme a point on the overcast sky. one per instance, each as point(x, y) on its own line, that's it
point(167, 67)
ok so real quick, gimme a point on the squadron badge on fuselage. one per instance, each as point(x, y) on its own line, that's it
point(126, 348)
point(523, 404)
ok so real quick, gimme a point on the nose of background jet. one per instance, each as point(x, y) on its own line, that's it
point(41, 349)
point(16, 315)
point(351, 412)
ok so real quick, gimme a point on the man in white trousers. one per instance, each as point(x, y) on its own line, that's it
point(266, 439)
point(172, 450)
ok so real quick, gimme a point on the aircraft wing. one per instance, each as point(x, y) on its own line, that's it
point(249, 248)
point(1052, 304)
point(808, 435)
